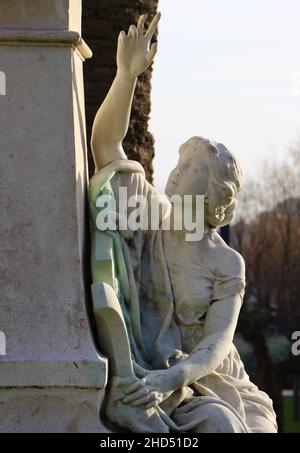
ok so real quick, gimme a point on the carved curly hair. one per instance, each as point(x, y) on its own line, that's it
point(224, 184)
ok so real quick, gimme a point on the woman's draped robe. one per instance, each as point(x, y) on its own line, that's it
point(225, 400)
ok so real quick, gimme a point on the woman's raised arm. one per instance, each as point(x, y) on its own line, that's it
point(135, 54)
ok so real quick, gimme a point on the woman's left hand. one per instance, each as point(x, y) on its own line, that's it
point(151, 390)
point(135, 52)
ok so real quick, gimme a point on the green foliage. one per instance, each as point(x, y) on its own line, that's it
point(290, 425)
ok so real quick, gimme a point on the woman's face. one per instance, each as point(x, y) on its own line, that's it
point(190, 176)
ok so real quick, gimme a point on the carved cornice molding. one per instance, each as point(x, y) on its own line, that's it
point(53, 38)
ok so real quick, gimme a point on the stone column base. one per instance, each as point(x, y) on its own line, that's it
point(50, 410)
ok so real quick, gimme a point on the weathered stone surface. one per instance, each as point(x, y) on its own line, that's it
point(43, 174)
point(60, 410)
point(54, 14)
point(43, 180)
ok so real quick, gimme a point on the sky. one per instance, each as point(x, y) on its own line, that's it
point(229, 71)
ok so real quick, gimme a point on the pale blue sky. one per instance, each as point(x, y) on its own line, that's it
point(227, 70)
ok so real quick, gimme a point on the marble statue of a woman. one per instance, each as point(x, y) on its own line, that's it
point(181, 300)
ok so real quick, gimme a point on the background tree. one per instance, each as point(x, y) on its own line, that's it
point(267, 234)
point(102, 22)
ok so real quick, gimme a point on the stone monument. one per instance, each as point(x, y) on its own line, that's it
point(51, 374)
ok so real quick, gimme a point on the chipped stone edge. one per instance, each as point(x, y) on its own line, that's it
point(53, 38)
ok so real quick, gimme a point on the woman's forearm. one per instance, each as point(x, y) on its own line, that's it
point(134, 55)
point(206, 358)
point(219, 328)
point(112, 120)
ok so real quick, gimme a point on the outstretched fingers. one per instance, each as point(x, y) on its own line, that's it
point(132, 32)
point(122, 37)
point(153, 26)
point(141, 25)
point(152, 53)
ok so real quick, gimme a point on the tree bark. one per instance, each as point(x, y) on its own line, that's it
point(102, 22)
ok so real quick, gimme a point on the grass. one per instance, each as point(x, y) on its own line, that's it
point(290, 425)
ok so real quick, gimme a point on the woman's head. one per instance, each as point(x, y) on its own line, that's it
point(208, 168)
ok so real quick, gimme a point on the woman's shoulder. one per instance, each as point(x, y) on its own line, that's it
point(225, 260)
point(228, 268)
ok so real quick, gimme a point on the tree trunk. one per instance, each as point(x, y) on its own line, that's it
point(102, 22)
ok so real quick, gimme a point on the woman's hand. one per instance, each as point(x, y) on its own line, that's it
point(134, 51)
point(151, 390)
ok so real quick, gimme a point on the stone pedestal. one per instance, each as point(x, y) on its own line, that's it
point(51, 375)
